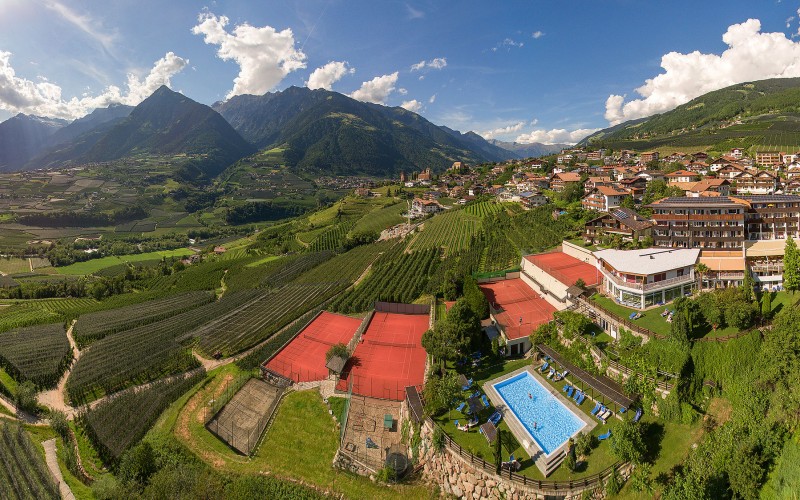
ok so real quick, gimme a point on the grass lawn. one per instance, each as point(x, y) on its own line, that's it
point(784, 479)
point(8, 382)
point(80, 490)
point(300, 444)
point(94, 265)
point(337, 407)
point(474, 441)
point(263, 261)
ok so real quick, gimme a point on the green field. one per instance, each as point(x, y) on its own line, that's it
point(94, 265)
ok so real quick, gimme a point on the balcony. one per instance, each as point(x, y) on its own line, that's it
point(646, 287)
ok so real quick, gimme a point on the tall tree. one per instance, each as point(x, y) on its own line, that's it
point(766, 304)
point(791, 261)
point(701, 270)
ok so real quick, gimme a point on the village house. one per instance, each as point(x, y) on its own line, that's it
point(768, 158)
point(604, 198)
point(620, 221)
point(682, 176)
point(559, 181)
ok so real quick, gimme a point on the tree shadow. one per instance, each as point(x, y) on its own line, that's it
point(653, 433)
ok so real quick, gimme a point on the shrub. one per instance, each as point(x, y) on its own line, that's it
point(613, 484)
point(438, 438)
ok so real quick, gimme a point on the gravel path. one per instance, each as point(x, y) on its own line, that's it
point(52, 464)
point(54, 398)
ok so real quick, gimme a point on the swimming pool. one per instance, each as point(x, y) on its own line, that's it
point(554, 422)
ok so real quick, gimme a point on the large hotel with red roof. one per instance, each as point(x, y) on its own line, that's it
point(385, 348)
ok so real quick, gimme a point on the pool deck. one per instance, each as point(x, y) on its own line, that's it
point(546, 463)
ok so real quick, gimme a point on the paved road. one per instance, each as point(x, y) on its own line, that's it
point(52, 464)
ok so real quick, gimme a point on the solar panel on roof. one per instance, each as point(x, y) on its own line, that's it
point(620, 214)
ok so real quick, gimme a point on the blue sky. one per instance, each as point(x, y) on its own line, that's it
point(541, 71)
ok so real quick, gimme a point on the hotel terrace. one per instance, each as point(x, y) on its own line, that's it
point(643, 278)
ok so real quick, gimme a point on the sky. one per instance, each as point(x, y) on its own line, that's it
point(524, 71)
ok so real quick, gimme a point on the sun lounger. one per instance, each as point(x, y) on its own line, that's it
point(496, 417)
point(600, 411)
point(582, 397)
point(622, 409)
point(632, 316)
point(570, 390)
point(461, 406)
point(576, 395)
point(552, 372)
point(605, 415)
point(544, 367)
point(566, 386)
point(596, 408)
point(638, 415)
point(603, 437)
point(484, 400)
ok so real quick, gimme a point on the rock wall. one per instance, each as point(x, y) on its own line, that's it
point(455, 476)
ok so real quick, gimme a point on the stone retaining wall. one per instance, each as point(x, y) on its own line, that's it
point(457, 477)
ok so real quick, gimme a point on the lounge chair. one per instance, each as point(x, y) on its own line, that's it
point(623, 409)
point(485, 401)
point(577, 395)
point(552, 372)
point(496, 417)
point(544, 367)
point(638, 415)
point(461, 406)
point(600, 411)
point(597, 407)
point(569, 391)
point(466, 386)
point(605, 415)
point(566, 386)
point(580, 401)
point(603, 437)
point(632, 315)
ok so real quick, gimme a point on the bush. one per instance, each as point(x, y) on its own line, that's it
point(585, 443)
point(438, 438)
point(336, 350)
point(613, 484)
point(26, 397)
point(386, 475)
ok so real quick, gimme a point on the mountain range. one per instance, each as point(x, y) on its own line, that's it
point(316, 131)
point(763, 114)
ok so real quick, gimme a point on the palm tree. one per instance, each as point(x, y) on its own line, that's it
point(700, 269)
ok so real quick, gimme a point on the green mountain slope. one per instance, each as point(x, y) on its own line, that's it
point(327, 132)
point(756, 115)
point(166, 123)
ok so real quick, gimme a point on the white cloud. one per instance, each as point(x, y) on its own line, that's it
point(751, 55)
point(414, 13)
point(435, 63)
point(265, 56)
point(325, 76)
point(501, 131)
point(85, 23)
point(537, 34)
point(20, 95)
point(402, 91)
point(555, 136)
point(377, 89)
point(508, 43)
point(432, 99)
point(412, 105)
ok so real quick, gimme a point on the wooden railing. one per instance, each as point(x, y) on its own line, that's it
point(542, 485)
point(630, 325)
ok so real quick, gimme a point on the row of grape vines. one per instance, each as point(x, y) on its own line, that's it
point(23, 473)
point(94, 326)
point(36, 353)
point(398, 280)
point(122, 420)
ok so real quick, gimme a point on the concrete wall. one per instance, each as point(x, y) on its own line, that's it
point(580, 253)
point(557, 289)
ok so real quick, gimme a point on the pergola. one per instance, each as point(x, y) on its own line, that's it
point(599, 387)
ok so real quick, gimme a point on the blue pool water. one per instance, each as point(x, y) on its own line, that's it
point(555, 423)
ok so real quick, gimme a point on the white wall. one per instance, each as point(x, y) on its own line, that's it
point(578, 252)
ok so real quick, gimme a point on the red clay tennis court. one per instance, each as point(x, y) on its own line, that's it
point(389, 357)
point(303, 359)
point(565, 268)
point(522, 310)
